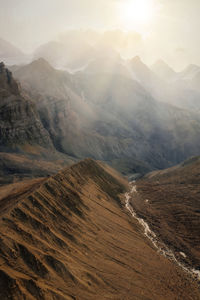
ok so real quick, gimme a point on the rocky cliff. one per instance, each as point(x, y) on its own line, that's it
point(26, 149)
point(20, 125)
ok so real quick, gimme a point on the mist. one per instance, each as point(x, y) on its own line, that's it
point(169, 35)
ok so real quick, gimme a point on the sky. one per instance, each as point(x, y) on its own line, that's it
point(169, 28)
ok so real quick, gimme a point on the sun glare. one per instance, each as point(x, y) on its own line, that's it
point(136, 13)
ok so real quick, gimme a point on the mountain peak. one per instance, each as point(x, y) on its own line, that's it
point(190, 72)
point(138, 66)
point(136, 59)
point(162, 69)
point(39, 68)
point(137, 62)
point(41, 63)
point(161, 62)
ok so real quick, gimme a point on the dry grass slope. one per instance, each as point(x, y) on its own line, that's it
point(71, 238)
point(173, 209)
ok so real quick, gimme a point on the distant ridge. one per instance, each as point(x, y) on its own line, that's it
point(11, 54)
point(162, 69)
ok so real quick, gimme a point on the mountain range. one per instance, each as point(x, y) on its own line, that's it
point(110, 116)
point(99, 173)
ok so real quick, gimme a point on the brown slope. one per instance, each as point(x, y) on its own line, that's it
point(173, 209)
point(26, 149)
point(72, 239)
point(16, 167)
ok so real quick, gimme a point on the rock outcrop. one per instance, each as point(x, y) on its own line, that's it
point(20, 125)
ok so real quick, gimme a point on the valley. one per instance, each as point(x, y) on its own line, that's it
point(99, 172)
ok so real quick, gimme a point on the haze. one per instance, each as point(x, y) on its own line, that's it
point(167, 28)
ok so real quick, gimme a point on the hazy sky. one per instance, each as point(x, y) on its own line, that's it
point(170, 28)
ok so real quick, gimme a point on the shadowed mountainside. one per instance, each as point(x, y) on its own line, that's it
point(110, 117)
point(15, 167)
point(173, 208)
point(19, 121)
point(26, 149)
point(71, 238)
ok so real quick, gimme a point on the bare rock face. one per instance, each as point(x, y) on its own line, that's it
point(110, 117)
point(8, 86)
point(19, 122)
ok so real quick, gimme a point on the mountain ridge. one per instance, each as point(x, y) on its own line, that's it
point(94, 251)
point(113, 114)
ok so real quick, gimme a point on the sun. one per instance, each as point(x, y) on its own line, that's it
point(135, 14)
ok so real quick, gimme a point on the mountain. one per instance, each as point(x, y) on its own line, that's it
point(54, 52)
point(163, 70)
point(20, 125)
point(74, 49)
point(69, 53)
point(189, 72)
point(11, 54)
point(64, 113)
point(172, 208)
point(41, 75)
point(26, 149)
point(111, 65)
point(184, 96)
point(165, 85)
point(141, 72)
point(190, 77)
point(110, 117)
point(70, 237)
point(147, 78)
point(146, 122)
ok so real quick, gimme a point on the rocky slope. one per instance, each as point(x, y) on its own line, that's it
point(20, 124)
point(26, 148)
point(169, 201)
point(69, 237)
point(110, 117)
point(15, 167)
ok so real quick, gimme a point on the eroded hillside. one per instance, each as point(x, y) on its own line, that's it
point(169, 201)
point(71, 238)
